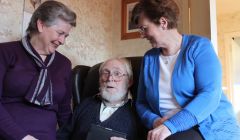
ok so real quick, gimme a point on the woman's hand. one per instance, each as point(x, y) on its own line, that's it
point(29, 137)
point(159, 133)
point(117, 138)
point(159, 121)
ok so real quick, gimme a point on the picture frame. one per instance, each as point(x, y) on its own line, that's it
point(128, 29)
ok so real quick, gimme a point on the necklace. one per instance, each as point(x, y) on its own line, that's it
point(165, 59)
point(168, 59)
point(166, 62)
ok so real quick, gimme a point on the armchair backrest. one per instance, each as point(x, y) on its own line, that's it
point(86, 84)
point(79, 74)
point(86, 80)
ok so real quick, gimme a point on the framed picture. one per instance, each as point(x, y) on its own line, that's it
point(128, 29)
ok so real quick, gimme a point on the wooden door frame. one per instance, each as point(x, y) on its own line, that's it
point(228, 60)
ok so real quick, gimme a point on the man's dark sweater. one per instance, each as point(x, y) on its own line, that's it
point(122, 120)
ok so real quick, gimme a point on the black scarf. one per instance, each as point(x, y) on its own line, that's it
point(40, 91)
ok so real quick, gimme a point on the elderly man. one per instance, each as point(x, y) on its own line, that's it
point(111, 108)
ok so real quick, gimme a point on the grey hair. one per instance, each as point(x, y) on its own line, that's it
point(49, 12)
point(125, 62)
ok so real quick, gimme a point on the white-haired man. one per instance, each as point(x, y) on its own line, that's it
point(111, 108)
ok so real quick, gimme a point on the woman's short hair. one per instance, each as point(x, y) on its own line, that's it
point(155, 9)
point(48, 12)
point(125, 62)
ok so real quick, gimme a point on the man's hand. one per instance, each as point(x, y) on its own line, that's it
point(29, 137)
point(117, 138)
point(159, 133)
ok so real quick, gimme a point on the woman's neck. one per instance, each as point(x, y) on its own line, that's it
point(173, 44)
point(37, 45)
point(34, 40)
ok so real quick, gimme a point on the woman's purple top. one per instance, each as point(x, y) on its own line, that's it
point(18, 117)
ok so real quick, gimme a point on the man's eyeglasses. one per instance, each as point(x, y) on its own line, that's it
point(117, 75)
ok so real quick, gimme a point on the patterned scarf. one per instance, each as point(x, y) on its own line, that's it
point(40, 91)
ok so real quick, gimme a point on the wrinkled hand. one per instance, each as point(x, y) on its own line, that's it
point(29, 137)
point(159, 121)
point(159, 133)
point(117, 138)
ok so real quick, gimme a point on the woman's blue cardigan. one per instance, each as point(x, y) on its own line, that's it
point(196, 85)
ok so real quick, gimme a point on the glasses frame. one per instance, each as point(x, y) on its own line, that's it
point(105, 75)
point(142, 30)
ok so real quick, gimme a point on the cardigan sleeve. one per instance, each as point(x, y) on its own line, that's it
point(207, 79)
point(66, 131)
point(64, 108)
point(146, 114)
point(8, 128)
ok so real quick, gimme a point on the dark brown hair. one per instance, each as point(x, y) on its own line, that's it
point(155, 9)
point(49, 12)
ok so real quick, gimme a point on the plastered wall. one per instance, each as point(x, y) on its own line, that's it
point(89, 43)
point(11, 19)
point(95, 39)
point(97, 36)
point(91, 40)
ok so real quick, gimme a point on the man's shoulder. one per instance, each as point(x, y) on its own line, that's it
point(129, 108)
point(91, 100)
point(87, 103)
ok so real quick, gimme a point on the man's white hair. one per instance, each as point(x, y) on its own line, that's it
point(125, 62)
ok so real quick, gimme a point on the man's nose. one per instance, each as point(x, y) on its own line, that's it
point(110, 77)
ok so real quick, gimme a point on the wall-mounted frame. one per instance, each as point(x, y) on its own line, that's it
point(128, 29)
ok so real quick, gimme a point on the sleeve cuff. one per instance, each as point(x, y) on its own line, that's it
point(152, 119)
point(178, 122)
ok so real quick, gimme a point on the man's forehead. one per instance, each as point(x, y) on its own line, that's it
point(113, 64)
point(112, 68)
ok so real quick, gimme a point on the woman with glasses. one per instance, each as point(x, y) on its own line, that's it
point(111, 108)
point(180, 95)
point(34, 77)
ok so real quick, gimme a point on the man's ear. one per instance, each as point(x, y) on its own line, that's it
point(130, 83)
point(40, 25)
point(163, 23)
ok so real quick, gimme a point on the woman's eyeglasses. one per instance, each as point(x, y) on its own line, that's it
point(142, 29)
